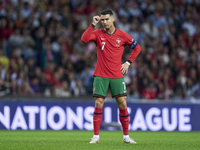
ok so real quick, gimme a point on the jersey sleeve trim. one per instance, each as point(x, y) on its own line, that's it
point(129, 62)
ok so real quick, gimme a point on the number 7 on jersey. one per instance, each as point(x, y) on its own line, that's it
point(103, 43)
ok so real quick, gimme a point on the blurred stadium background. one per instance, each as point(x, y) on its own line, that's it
point(43, 58)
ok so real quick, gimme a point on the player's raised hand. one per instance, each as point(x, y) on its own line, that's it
point(96, 19)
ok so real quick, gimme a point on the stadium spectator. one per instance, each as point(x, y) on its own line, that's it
point(64, 90)
point(34, 84)
point(7, 80)
point(196, 90)
point(87, 78)
point(14, 87)
point(124, 25)
point(50, 91)
point(26, 10)
point(160, 95)
point(72, 80)
point(134, 94)
point(31, 67)
point(79, 90)
point(25, 89)
point(15, 40)
point(43, 84)
point(134, 10)
point(47, 56)
point(27, 38)
point(149, 92)
point(3, 90)
point(178, 90)
point(49, 73)
point(22, 66)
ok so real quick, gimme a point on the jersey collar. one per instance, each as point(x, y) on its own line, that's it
point(109, 33)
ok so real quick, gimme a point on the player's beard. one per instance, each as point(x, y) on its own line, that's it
point(107, 27)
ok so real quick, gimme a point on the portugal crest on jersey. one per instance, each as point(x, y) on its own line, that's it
point(118, 42)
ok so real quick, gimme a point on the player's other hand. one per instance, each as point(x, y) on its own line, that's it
point(124, 68)
point(96, 19)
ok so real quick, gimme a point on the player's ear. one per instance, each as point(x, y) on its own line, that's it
point(113, 18)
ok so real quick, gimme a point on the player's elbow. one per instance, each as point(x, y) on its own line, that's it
point(83, 39)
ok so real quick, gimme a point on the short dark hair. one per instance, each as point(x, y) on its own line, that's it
point(108, 11)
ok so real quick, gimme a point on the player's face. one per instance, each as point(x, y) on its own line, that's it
point(107, 21)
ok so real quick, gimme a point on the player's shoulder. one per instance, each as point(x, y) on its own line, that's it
point(120, 31)
point(98, 30)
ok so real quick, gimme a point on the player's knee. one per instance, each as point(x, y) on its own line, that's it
point(99, 102)
point(123, 105)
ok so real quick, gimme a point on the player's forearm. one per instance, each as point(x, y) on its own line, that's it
point(85, 36)
point(134, 53)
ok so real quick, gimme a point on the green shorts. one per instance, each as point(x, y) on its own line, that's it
point(101, 85)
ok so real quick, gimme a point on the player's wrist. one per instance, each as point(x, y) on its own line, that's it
point(128, 62)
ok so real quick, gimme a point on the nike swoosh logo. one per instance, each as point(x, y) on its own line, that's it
point(96, 119)
point(103, 38)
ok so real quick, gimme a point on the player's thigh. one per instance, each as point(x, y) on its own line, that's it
point(118, 87)
point(100, 86)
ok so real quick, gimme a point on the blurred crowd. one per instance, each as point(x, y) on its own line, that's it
point(41, 52)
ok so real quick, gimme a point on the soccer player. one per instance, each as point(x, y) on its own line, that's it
point(109, 71)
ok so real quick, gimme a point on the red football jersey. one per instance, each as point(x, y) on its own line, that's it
point(110, 48)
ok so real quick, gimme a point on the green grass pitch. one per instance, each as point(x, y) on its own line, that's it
point(109, 140)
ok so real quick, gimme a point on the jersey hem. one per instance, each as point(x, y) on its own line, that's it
point(96, 95)
point(108, 77)
point(125, 94)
